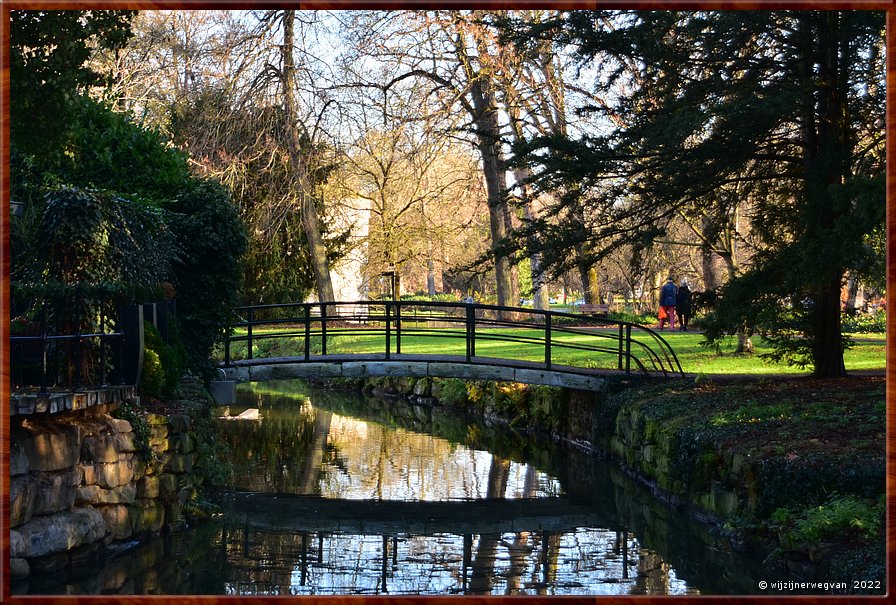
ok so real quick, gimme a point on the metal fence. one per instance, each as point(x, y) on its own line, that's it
point(392, 328)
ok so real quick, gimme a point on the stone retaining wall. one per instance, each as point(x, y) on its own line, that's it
point(79, 481)
point(712, 487)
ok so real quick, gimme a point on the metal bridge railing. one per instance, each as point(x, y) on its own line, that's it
point(315, 331)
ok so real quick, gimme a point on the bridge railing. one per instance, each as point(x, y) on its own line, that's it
point(478, 333)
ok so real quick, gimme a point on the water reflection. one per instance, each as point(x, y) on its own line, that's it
point(299, 448)
point(411, 500)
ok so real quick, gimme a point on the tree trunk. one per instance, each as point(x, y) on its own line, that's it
point(588, 274)
point(826, 159)
point(827, 350)
point(539, 291)
point(489, 143)
point(317, 252)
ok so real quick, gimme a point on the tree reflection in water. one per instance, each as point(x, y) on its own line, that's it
point(323, 457)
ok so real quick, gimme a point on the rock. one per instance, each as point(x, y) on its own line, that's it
point(181, 463)
point(106, 448)
point(16, 543)
point(56, 491)
point(22, 492)
point(19, 568)
point(168, 484)
point(118, 425)
point(183, 443)
point(18, 459)
point(148, 487)
point(115, 474)
point(61, 532)
point(51, 447)
point(422, 388)
point(94, 494)
point(118, 521)
point(179, 423)
point(155, 420)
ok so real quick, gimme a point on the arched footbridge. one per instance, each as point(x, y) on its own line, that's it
point(418, 339)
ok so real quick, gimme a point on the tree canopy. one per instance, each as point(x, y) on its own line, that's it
point(785, 105)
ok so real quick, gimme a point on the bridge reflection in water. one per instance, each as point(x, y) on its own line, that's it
point(335, 494)
point(329, 504)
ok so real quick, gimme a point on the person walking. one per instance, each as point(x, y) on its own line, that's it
point(683, 305)
point(667, 303)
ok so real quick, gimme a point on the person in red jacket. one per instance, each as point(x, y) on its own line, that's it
point(667, 302)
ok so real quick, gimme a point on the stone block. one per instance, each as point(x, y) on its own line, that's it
point(168, 484)
point(118, 425)
point(88, 474)
point(423, 387)
point(22, 492)
point(157, 431)
point(148, 487)
point(94, 494)
point(115, 474)
point(18, 459)
point(51, 447)
point(61, 532)
point(125, 443)
point(19, 568)
point(183, 443)
point(179, 423)
point(156, 420)
point(16, 544)
point(118, 521)
point(181, 463)
point(100, 448)
point(56, 491)
point(160, 444)
point(470, 372)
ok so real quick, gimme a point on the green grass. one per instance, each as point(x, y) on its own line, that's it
point(868, 352)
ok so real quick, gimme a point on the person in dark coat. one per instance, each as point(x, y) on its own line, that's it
point(683, 304)
point(667, 303)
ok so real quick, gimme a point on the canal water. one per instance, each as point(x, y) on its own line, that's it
point(339, 494)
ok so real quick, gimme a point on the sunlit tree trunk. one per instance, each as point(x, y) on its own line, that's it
point(310, 222)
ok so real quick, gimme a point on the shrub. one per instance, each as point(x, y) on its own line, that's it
point(207, 277)
point(864, 323)
point(171, 357)
point(453, 391)
point(153, 377)
point(839, 516)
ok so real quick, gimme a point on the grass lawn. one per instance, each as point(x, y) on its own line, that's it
point(867, 353)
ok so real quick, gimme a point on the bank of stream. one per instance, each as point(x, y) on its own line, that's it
point(792, 471)
point(489, 488)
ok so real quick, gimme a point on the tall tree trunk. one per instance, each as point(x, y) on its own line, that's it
point(826, 150)
point(493, 165)
point(317, 252)
point(539, 291)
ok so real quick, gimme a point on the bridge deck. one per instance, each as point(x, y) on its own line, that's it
point(448, 366)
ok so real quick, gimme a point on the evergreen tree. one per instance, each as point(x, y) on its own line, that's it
point(788, 103)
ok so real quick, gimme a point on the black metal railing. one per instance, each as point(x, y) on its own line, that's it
point(52, 349)
point(313, 329)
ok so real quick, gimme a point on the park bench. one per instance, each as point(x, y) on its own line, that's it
point(594, 309)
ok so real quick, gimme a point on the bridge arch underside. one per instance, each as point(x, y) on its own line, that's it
point(500, 370)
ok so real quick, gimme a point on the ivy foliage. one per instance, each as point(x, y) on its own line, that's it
point(94, 236)
point(206, 275)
